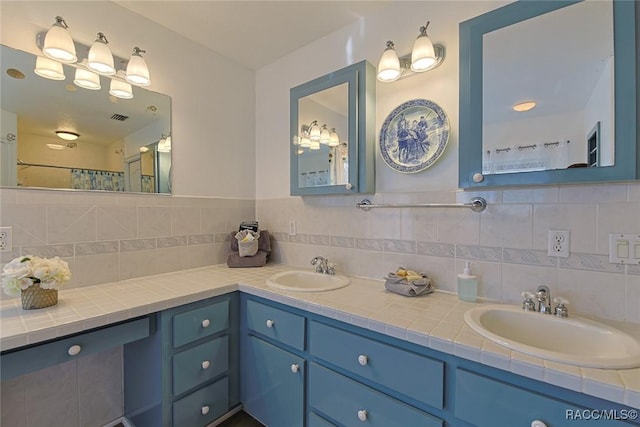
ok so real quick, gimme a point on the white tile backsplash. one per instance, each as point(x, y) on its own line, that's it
point(507, 241)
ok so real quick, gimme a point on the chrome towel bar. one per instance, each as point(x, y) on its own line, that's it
point(477, 204)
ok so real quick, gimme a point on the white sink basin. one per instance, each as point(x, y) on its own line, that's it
point(307, 281)
point(573, 340)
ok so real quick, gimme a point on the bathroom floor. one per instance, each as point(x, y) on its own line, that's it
point(241, 419)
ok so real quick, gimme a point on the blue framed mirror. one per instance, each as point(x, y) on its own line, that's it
point(332, 133)
point(549, 94)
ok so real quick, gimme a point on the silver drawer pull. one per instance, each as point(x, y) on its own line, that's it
point(206, 323)
point(362, 415)
point(204, 410)
point(295, 368)
point(206, 364)
point(363, 360)
point(74, 350)
point(270, 323)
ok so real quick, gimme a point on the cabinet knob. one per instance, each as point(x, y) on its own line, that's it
point(204, 410)
point(206, 323)
point(538, 423)
point(206, 364)
point(295, 368)
point(363, 360)
point(74, 350)
point(362, 415)
point(478, 177)
point(270, 323)
point(348, 186)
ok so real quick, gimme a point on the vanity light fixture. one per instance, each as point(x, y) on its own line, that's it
point(86, 79)
point(58, 43)
point(164, 144)
point(48, 68)
point(425, 56)
point(524, 106)
point(120, 88)
point(137, 70)
point(100, 57)
point(67, 135)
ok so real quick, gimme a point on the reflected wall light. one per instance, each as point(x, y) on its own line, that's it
point(312, 135)
point(48, 68)
point(424, 56)
point(58, 43)
point(120, 88)
point(164, 144)
point(100, 58)
point(86, 79)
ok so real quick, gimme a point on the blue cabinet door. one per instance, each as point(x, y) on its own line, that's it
point(273, 384)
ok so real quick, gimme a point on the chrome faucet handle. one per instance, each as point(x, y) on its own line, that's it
point(321, 264)
point(561, 308)
point(528, 304)
point(331, 269)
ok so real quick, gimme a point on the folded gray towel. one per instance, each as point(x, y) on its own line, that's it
point(234, 260)
point(400, 285)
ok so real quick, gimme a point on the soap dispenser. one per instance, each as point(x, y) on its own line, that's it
point(467, 284)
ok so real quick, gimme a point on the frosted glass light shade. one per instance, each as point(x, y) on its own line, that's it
point(100, 58)
point(49, 69)
point(314, 132)
point(334, 140)
point(423, 56)
point(305, 142)
point(58, 43)
point(315, 145)
point(325, 135)
point(120, 88)
point(86, 79)
point(137, 70)
point(389, 64)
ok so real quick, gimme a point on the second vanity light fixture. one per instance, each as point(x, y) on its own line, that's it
point(313, 135)
point(59, 48)
point(425, 56)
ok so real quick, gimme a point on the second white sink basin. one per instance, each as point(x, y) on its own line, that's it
point(573, 340)
point(307, 281)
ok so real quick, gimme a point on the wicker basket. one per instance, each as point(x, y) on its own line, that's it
point(35, 297)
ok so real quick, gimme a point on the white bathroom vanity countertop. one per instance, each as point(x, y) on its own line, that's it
point(435, 320)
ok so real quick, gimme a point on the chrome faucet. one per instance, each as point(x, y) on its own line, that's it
point(543, 295)
point(323, 265)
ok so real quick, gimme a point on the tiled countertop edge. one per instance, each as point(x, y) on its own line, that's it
point(448, 334)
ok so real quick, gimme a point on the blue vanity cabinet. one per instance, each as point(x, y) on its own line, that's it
point(185, 375)
point(273, 366)
point(485, 402)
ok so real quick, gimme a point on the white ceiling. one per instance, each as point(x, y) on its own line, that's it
point(253, 33)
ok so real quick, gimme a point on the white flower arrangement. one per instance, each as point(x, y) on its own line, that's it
point(24, 271)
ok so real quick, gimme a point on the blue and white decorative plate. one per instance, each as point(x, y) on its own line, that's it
point(414, 136)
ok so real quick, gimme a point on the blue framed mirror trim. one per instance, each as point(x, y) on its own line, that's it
point(361, 111)
point(627, 101)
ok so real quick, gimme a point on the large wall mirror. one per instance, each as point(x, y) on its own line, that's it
point(120, 145)
point(332, 125)
point(548, 94)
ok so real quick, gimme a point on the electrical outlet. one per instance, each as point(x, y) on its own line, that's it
point(292, 228)
point(6, 239)
point(559, 243)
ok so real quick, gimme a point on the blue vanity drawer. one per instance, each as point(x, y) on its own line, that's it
point(484, 402)
point(343, 400)
point(316, 420)
point(202, 406)
point(199, 364)
point(288, 328)
point(411, 374)
point(192, 325)
point(19, 362)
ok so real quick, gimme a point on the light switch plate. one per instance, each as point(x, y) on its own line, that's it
point(624, 248)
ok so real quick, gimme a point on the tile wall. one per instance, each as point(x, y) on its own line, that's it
point(507, 243)
point(109, 237)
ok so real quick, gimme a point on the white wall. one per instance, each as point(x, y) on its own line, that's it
point(212, 98)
